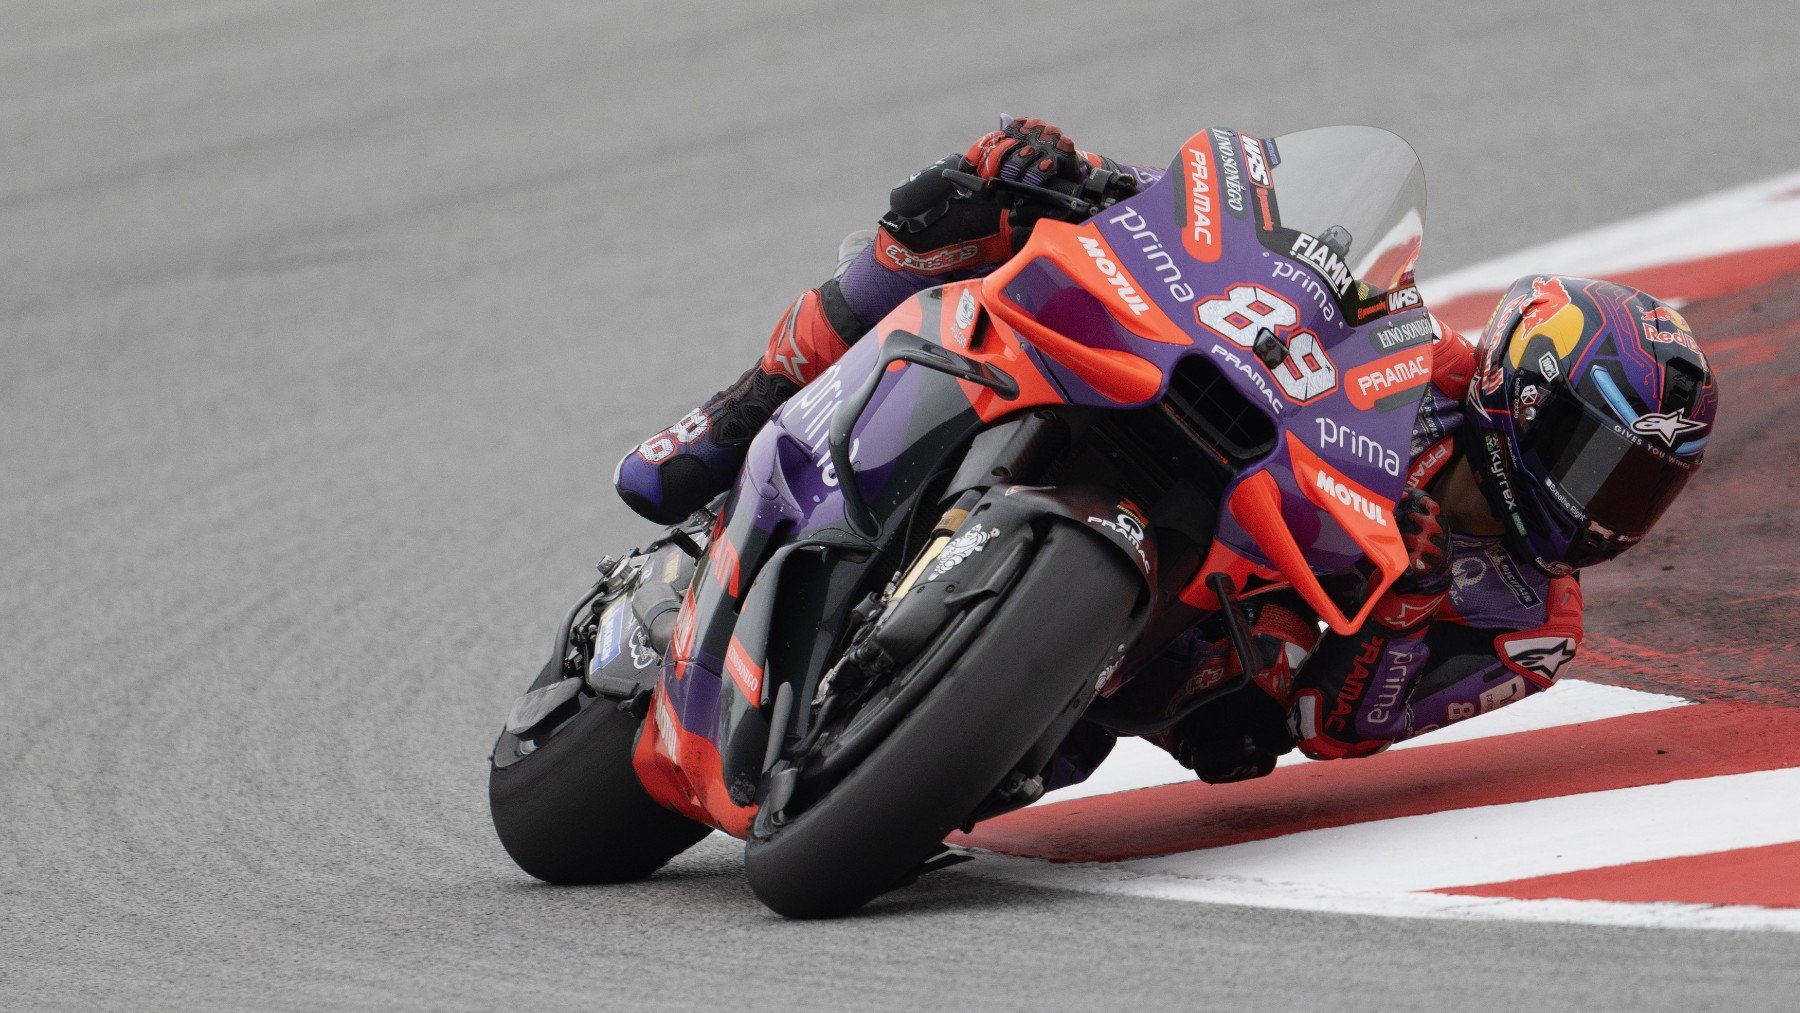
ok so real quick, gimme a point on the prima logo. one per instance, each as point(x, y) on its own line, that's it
point(1333, 434)
point(1150, 245)
point(1281, 270)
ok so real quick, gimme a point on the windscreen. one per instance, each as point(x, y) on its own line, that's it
point(1349, 200)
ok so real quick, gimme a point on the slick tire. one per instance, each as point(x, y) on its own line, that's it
point(574, 812)
point(1039, 652)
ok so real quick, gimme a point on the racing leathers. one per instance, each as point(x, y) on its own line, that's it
point(1482, 631)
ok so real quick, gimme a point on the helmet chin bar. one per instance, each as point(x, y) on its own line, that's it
point(1493, 476)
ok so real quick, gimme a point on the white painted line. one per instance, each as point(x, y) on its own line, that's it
point(1135, 763)
point(1111, 879)
point(1486, 844)
point(1751, 217)
point(1381, 867)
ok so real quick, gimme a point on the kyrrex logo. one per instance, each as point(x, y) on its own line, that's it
point(1113, 275)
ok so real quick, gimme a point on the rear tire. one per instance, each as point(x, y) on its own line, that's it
point(1037, 657)
point(573, 812)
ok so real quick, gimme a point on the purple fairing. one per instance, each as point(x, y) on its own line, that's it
point(1330, 319)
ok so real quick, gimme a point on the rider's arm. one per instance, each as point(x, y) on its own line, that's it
point(1480, 669)
point(1350, 698)
point(935, 232)
point(1500, 638)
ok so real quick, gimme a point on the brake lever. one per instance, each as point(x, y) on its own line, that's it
point(982, 185)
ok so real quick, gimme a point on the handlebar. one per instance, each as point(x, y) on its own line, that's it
point(1101, 189)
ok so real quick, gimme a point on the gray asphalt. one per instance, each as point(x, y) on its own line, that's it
point(321, 325)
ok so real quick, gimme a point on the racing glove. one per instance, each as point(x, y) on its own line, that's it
point(1412, 600)
point(1352, 697)
point(1239, 736)
point(934, 227)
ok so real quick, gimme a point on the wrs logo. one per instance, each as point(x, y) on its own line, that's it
point(1254, 163)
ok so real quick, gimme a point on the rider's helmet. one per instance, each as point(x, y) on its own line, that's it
point(1589, 410)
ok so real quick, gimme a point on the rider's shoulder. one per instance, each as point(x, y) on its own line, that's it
point(1452, 357)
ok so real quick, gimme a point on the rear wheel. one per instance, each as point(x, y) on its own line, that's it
point(1033, 663)
point(572, 810)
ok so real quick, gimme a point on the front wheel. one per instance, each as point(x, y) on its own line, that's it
point(572, 811)
point(1037, 658)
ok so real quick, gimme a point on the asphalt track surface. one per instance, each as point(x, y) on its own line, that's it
point(322, 325)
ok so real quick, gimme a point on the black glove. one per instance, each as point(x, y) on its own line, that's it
point(934, 226)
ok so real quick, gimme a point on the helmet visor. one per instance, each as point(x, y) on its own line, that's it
point(1594, 471)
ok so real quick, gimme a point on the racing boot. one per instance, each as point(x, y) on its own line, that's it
point(681, 469)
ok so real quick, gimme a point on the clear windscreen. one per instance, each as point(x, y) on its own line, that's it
point(1357, 191)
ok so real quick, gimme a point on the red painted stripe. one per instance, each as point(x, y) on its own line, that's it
point(1625, 752)
point(1688, 280)
point(1765, 877)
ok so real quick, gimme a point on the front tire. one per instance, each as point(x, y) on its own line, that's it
point(573, 811)
point(1037, 658)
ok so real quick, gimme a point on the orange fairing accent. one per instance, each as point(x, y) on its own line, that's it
point(1366, 517)
point(667, 753)
point(1200, 187)
point(1118, 375)
point(1222, 558)
point(985, 339)
point(1084, 255)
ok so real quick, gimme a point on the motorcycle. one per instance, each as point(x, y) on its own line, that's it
point(973, 531)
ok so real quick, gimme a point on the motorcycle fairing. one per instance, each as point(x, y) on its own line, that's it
point(788, 496)
point(1100, 314)
point(1185, 268)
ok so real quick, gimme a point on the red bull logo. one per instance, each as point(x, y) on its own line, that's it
point(1665, 315)
point(1548, 298)
point(1552, 314)
point(1663, 325)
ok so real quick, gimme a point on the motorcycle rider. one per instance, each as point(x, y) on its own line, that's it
point(1553, 444)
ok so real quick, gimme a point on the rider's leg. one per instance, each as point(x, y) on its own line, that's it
point(677, 471)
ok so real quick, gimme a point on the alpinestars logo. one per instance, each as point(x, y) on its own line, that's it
point(935, 262)
point(1541, 657)
point(788, 353)
point(1665, 426)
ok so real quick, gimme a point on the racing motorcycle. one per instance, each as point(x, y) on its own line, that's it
point(972, 531)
